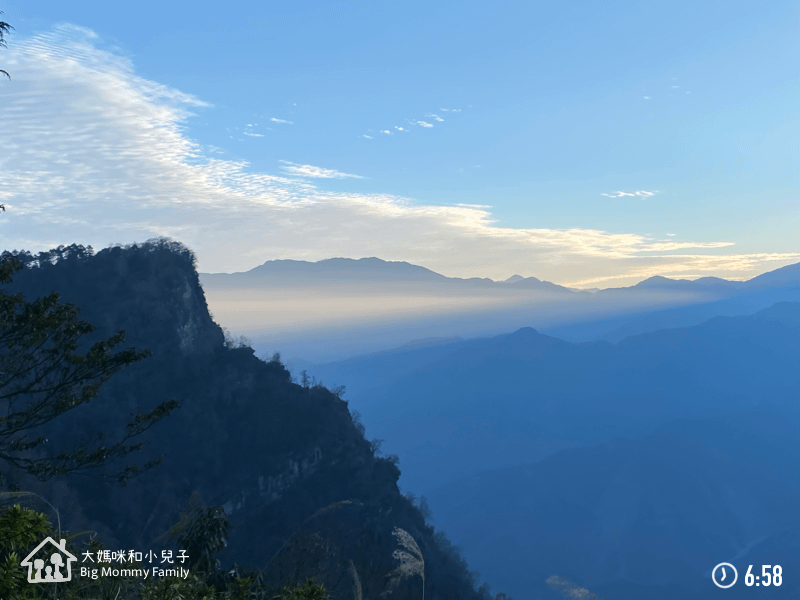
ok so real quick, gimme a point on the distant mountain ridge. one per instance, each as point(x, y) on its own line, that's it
point(725, 391)
point(363, 270)
point(314, 312)
point(747, 302)
point(633, 519)
point(375, 269)
point(599, 388)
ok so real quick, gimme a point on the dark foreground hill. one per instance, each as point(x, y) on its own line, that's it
point(303, 489)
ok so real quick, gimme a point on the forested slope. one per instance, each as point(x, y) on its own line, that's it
point(303, 489)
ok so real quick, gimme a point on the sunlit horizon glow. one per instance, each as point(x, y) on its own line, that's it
point(96, 154)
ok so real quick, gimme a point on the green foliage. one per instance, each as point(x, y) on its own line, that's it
point(203, 533)
point(239, 589)
point(308, 591)
point(42, 376)
point(194, 587)
point(21, 529)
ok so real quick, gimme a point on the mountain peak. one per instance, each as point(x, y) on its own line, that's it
point(787, 313)
point(656, 281)
point(788, 275)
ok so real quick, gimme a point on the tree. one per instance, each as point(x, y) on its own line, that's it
point(4, 29)
point(308, 591)
point(42, 376)
point(20, 529)
point(203, 533)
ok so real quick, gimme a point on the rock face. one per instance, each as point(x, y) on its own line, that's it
point(303, 489)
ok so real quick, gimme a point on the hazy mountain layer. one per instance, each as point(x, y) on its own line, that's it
point(336, 308)
point(684, 316)
point(468, 406)
point(647, 518)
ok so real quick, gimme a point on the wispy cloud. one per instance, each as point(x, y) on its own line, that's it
point(94, 154)
point(274, 120)
point(253, 134)
point(315, 172)
point(417, 122)
point(640, 194)
point(450, 109)
point(369, 137)
point(671, 234)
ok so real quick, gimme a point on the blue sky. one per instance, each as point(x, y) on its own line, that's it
point(590, 144)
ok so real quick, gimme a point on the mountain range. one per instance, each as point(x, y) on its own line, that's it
point(627, 466)
point(644, 518)
point(315, 312)
point(640, 463)
point(470, 405)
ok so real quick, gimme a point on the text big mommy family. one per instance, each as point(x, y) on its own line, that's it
point(143, 573)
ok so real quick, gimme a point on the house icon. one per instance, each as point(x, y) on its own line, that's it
point(44, 571)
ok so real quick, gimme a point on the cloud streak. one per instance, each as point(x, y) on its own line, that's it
point(94, 154)
point(639, 194)
point(315, 172)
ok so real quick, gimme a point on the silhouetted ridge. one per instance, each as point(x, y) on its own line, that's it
point(347, 268)
point(787, 313)
point(288, 463)
point(788, 275)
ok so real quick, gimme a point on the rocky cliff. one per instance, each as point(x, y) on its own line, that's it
point(302, 487)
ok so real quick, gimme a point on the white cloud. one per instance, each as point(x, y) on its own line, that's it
point(399, 128)
point(386, 131)
point(423, 124)
point(274, 120)
point(253, 134)
point(369, 137)
point(646, 97)
point(315, 172)
point(671, 234)
point(640, 194)
point(434, 117)
point(94, 154)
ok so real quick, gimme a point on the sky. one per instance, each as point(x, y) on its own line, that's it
point(589, 144)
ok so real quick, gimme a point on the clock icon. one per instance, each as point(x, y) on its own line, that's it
point(724, 575)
